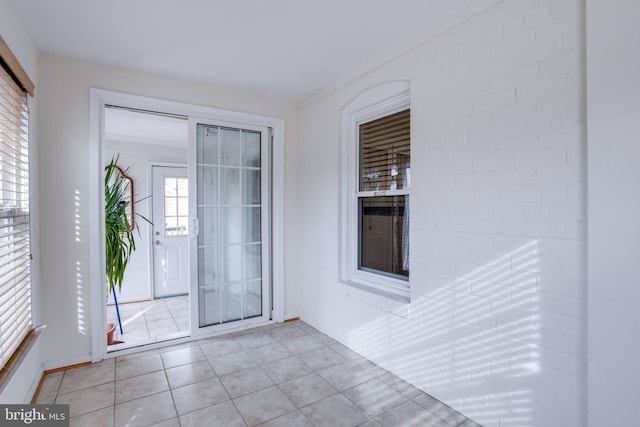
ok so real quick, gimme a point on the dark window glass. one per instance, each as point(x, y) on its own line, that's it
point(384, 235)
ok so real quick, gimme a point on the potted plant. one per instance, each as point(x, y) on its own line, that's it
point(119, 218)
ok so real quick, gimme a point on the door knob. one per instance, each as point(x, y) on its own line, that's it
point(157, 242)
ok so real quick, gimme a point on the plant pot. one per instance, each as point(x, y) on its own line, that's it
point(111, 328)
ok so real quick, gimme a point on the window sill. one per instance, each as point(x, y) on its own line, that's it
point(399, 295)
point(19, 356)
point(386, 302)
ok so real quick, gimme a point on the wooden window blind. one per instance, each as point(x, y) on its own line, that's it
point(385, 153)
point(15, 286)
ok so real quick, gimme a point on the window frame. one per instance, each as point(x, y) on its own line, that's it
point(377, 102)
point(22, 332)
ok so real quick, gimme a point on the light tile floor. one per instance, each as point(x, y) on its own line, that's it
point(287, 375)
point(150, 321)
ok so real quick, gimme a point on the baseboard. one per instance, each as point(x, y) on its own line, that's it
point(37, 384)
point(291, 317)
point(62, 364)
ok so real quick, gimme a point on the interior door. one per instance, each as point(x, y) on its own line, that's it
point(230, 247)
point(170, 231)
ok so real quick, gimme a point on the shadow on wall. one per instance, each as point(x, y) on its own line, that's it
point(476, 336)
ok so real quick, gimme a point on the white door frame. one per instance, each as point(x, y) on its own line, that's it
point(98, 98)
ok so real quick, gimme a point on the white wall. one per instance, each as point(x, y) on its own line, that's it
point(496, 323)
point(613, 70)
point(137, 282)
point(64, 127)
point(20, 387)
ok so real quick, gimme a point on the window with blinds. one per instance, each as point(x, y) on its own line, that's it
point(15, 290)
point(384, 153)
point(383, 196)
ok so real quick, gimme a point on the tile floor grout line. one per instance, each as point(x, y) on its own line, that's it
point(170, 390)
point(225, 388)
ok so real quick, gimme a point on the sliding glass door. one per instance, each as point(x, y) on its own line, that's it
point(230, 237)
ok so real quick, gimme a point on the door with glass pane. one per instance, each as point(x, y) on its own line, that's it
point(230, 240)
point(170, 231)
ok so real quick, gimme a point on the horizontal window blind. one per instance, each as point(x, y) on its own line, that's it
point(15, 290)
point(384, 152)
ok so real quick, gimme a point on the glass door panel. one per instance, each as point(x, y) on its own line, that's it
point(232, 264)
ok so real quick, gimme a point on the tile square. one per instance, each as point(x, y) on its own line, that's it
point(335, 411)
point(87, 376)
point(189, 374)
point(345, 375)
point(161, 322)
point(161, 331)
point(88, 400)
point(231, 363)
point(199, 395)
point(99, 418)
point(286, 369)
point(157, 314)
point(246, 381)
point(410, 414)
point(345, 352)
point(126, 368)
point(439, 409)
point(371, 367)
point(375, 397)
point(268, 353)
point(263, 405)
point(182, 356)
point(321, 358)
point(213, 348)
point(306, 390)
point(305, 327)
point(145, 411)
point(324, 339)
point(255, 340)
point(46, 400)
point(400, 385)
point(225, 414)
point(50, 385)
point(128, 309)
point(140, 386)
point(286, 332)
point(302, 344)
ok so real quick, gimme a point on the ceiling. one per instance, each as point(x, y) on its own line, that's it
point(288, 49)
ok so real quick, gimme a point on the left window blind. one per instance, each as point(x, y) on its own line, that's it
point(15, 283)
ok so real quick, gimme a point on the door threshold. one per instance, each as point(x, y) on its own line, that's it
point(138, 347)
point(124, 345)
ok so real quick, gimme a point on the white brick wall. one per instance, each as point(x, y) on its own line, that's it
point(496, 323)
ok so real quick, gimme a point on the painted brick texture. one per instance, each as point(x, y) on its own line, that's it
point(496, 324)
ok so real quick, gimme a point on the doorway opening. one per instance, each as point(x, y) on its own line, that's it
point(153, 303)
